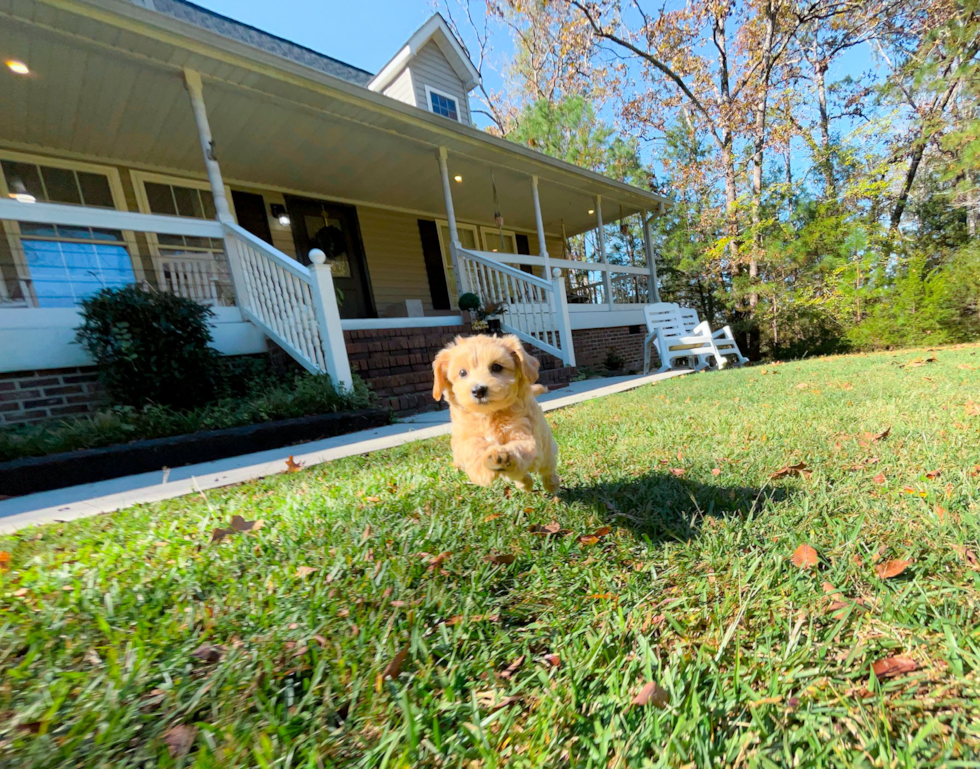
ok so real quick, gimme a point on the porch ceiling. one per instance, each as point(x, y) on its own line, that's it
point(106, 82)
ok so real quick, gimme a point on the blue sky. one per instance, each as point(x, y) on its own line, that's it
point(334, 27)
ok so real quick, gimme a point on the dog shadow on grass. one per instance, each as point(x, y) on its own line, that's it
point(661, 506)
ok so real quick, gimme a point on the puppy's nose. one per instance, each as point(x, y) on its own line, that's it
point(479, 391)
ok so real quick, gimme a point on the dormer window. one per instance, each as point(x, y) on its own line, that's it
point(442, 103)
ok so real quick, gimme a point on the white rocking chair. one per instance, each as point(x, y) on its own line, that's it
point(666, 330)
point(723, 338)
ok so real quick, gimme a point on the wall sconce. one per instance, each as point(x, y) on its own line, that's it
point(279, 212)
point(18, 191)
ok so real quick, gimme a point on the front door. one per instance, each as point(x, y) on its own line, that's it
point(333, 228)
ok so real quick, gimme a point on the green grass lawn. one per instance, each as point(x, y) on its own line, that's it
point(368, 623)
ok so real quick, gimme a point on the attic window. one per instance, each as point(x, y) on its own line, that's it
point(442, 103)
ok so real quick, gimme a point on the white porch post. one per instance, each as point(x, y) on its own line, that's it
point(561, 309)
point(654, 292)
point(328, 318)
point(606, 279)
point(192, 79)
point(461, 283)
point(542, 245)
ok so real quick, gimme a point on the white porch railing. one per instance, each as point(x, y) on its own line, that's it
point(293, 304)
point(536, 309)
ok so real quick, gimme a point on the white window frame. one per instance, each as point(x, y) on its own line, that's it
point(447, 262)
point(429, 90)
point(12, 229)
point(490, 234)
point(139, 178)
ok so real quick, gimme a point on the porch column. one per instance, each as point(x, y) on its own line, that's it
point(192, 79)
point(461, 284)
point(654, 293)
point(542, 245)
point(606, 279)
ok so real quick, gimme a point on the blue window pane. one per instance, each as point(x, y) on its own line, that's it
point(64, 273)
point(444, 106)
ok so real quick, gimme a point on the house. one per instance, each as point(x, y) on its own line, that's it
point(320, 209)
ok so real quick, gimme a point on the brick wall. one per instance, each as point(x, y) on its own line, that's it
point(592, 346)
point(31, 396)
point(397, 364)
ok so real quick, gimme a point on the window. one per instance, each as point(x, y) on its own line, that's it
point(442, 103)
point(57, 265)
point(177, 200)
point(467, 239)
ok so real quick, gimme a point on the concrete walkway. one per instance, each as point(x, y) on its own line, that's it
point(107, 496)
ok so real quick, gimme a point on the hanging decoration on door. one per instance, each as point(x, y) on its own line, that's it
point(326, 234)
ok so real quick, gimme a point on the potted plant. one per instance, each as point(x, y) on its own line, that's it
point(490, 314)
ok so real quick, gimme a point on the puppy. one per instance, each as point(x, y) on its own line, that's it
point(498, 427)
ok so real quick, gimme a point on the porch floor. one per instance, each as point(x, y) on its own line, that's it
point(118, 493)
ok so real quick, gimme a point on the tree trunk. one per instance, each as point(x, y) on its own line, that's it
point(826, 161)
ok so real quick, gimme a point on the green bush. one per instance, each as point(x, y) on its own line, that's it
point(307, 394)
point(150, 347)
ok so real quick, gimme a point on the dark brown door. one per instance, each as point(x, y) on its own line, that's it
point(250, 213)
point(333, 228)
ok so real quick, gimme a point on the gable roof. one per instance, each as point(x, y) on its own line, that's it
point(244, 33)
point(437, 30)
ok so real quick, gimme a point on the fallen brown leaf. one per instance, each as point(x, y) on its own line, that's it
point(553, 660)
point(435, 562)
point(293, 466)
point(179, 739)
point(491, 517)
point(549, 529)
point(304, 571)
point(372, 499)
point(879, 478)
point(805, 557)
point(4, 560)
point(395, 666)
point(716, 471)
point(602, 531)
point(890, 667)
point(208, 653)
point(502, 559)
point(588, 539)
point(513, 667)
point(492, 701)
point(678, 471)
point(219, 534)
point(797, 469)
point(968, 555)
point(933, 474)
point(652, 694)
point(892, 568)
point(240, 524)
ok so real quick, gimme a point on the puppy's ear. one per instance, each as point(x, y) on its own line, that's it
point(440, 371)
point(527, 364)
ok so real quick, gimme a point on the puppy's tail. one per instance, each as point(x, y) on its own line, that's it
point(538, 389)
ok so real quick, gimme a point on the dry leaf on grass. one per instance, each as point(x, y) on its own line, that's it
point(435, 561)
point(602, 531)
point(491, 517)
point(292, 466)
point(208, 653)
point(652, 694)
point(502, 559)
point(240, 524)
point(805, 557)
point(4, 560)
point(219, 534)
point(890, 667)
point(933, 474)
point(716, 471)
point(797, 469)
point(304, 571)
point(553, 660)
point(513, 667)
point(892, 568)
point(879, 478)
point(493, 701)
point(179, 739)
point(588, 539)
point(968, 555)
point(395, 666)
point(678, 471)
point(553, 528)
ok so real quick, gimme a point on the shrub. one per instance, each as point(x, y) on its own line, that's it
point(469, 302)
point(150, 347)
point(307, 394)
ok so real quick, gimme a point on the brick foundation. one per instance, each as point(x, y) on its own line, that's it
point(33, 396)
point(592, 345)
point(397, 364)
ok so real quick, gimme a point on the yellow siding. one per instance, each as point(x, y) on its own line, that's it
point(393, 248)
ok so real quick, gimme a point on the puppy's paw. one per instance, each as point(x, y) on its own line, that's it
point(497, 459)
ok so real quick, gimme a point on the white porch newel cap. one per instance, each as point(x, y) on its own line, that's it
point(556, 272)
point(317, 256)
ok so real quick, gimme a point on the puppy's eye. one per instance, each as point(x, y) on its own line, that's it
point(462, 373)
point(496, 368)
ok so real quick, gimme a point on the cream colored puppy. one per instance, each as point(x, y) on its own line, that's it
point(498, 427)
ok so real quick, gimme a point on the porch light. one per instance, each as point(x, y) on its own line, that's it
point(19, 191)
point(279, 211)
point(18, 67)
point(458, 178)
